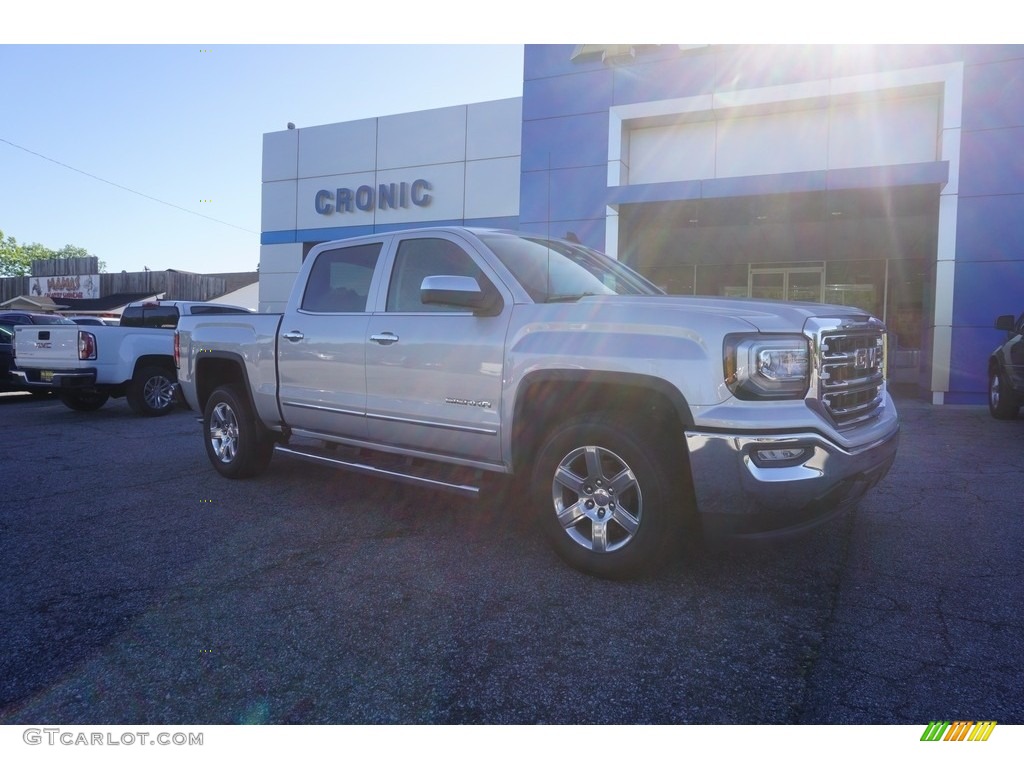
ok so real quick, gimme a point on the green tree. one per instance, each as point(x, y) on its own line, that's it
point(16, 260)
point(12, 259)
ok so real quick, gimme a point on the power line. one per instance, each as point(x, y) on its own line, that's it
point(126, 189)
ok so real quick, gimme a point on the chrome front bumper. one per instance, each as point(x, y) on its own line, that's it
point(741, 493)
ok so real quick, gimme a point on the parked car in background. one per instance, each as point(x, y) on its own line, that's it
point(13, 318)
point(6, 359)
point(1006, 370)
point(8, 320)
point(88, 364)
point(92, 320)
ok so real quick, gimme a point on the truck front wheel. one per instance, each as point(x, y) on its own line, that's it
point(235, 443)
point(607, 501)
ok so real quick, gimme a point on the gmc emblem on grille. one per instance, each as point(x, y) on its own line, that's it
point(866, 358)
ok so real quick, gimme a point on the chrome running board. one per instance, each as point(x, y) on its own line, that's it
point(391, 470)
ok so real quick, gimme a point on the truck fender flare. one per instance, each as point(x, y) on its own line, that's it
point(205, 388)
point(615, 378)
point(581, 378)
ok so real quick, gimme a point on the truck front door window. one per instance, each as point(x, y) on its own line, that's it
point(424, 257)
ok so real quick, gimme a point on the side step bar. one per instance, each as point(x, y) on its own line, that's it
point(397, 471)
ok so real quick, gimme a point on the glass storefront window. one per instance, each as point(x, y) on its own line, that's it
point(858, 284)
point(908, 299)
point(722, 279)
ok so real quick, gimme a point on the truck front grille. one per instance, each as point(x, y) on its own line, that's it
point(851, 372)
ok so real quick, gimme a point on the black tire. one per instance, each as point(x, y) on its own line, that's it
point(235, 443)
point(84, 401)
point(608, 527)
point(151, 391)
point(1002, 402)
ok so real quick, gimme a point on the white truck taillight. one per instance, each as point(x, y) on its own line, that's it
point(177, 351)
point(86, 346)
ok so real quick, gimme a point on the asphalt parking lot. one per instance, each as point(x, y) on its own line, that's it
point(141, 587)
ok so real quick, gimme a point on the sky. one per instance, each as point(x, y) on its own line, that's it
point(135, 131)
point(179, 130)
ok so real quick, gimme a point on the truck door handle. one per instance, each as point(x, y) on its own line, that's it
point(384, 338)
point(294, 336)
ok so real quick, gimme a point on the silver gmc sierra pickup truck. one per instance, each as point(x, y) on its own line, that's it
point(624, 417)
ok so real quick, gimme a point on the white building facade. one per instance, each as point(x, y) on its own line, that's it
point(455, 165)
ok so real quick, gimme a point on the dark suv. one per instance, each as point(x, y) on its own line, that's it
point(7, 322)
point(1006, 370)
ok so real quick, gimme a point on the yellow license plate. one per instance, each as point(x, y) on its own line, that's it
point(46, 375)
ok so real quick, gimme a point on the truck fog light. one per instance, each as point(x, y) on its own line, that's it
point(780, 455)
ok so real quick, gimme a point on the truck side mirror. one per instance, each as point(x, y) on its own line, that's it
point(460, 291)
point(1005, 323)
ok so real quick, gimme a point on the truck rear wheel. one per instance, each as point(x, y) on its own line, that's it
point(83, 401)
point(151, 391)
point(235, 443)
point(607, 501)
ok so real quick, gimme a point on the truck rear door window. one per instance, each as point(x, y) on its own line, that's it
point(340, 279)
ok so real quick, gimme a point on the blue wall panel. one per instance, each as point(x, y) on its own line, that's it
point(991, 162)
point(564, 195)
point(989, 276)
point(986, 289)
point(968, 377)
point(655, 193)
point(567, 95)
point(534, 190)
point(988, 102)
point(579, 193)
point(686, 74)
point(980, 54)
point(757, 66)
point(565, 142)
point(541, 61)
point(768, 184)
point(859, 59)
point(990, 228)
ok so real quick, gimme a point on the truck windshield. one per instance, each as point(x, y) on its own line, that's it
point(555, 270)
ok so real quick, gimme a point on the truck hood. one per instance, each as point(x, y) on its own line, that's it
point(763, 315)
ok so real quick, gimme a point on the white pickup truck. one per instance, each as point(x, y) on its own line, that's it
point(620, 413)
point(87, 365)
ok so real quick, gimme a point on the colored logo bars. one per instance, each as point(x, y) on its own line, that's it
point(960, 730)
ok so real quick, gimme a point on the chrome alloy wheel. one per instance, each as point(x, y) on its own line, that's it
point(224, 433)
point(597, 499)
point(158, 392)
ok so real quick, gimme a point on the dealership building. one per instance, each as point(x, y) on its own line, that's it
point(884, 177)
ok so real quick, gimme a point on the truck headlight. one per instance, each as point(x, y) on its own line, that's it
point(762, 367)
